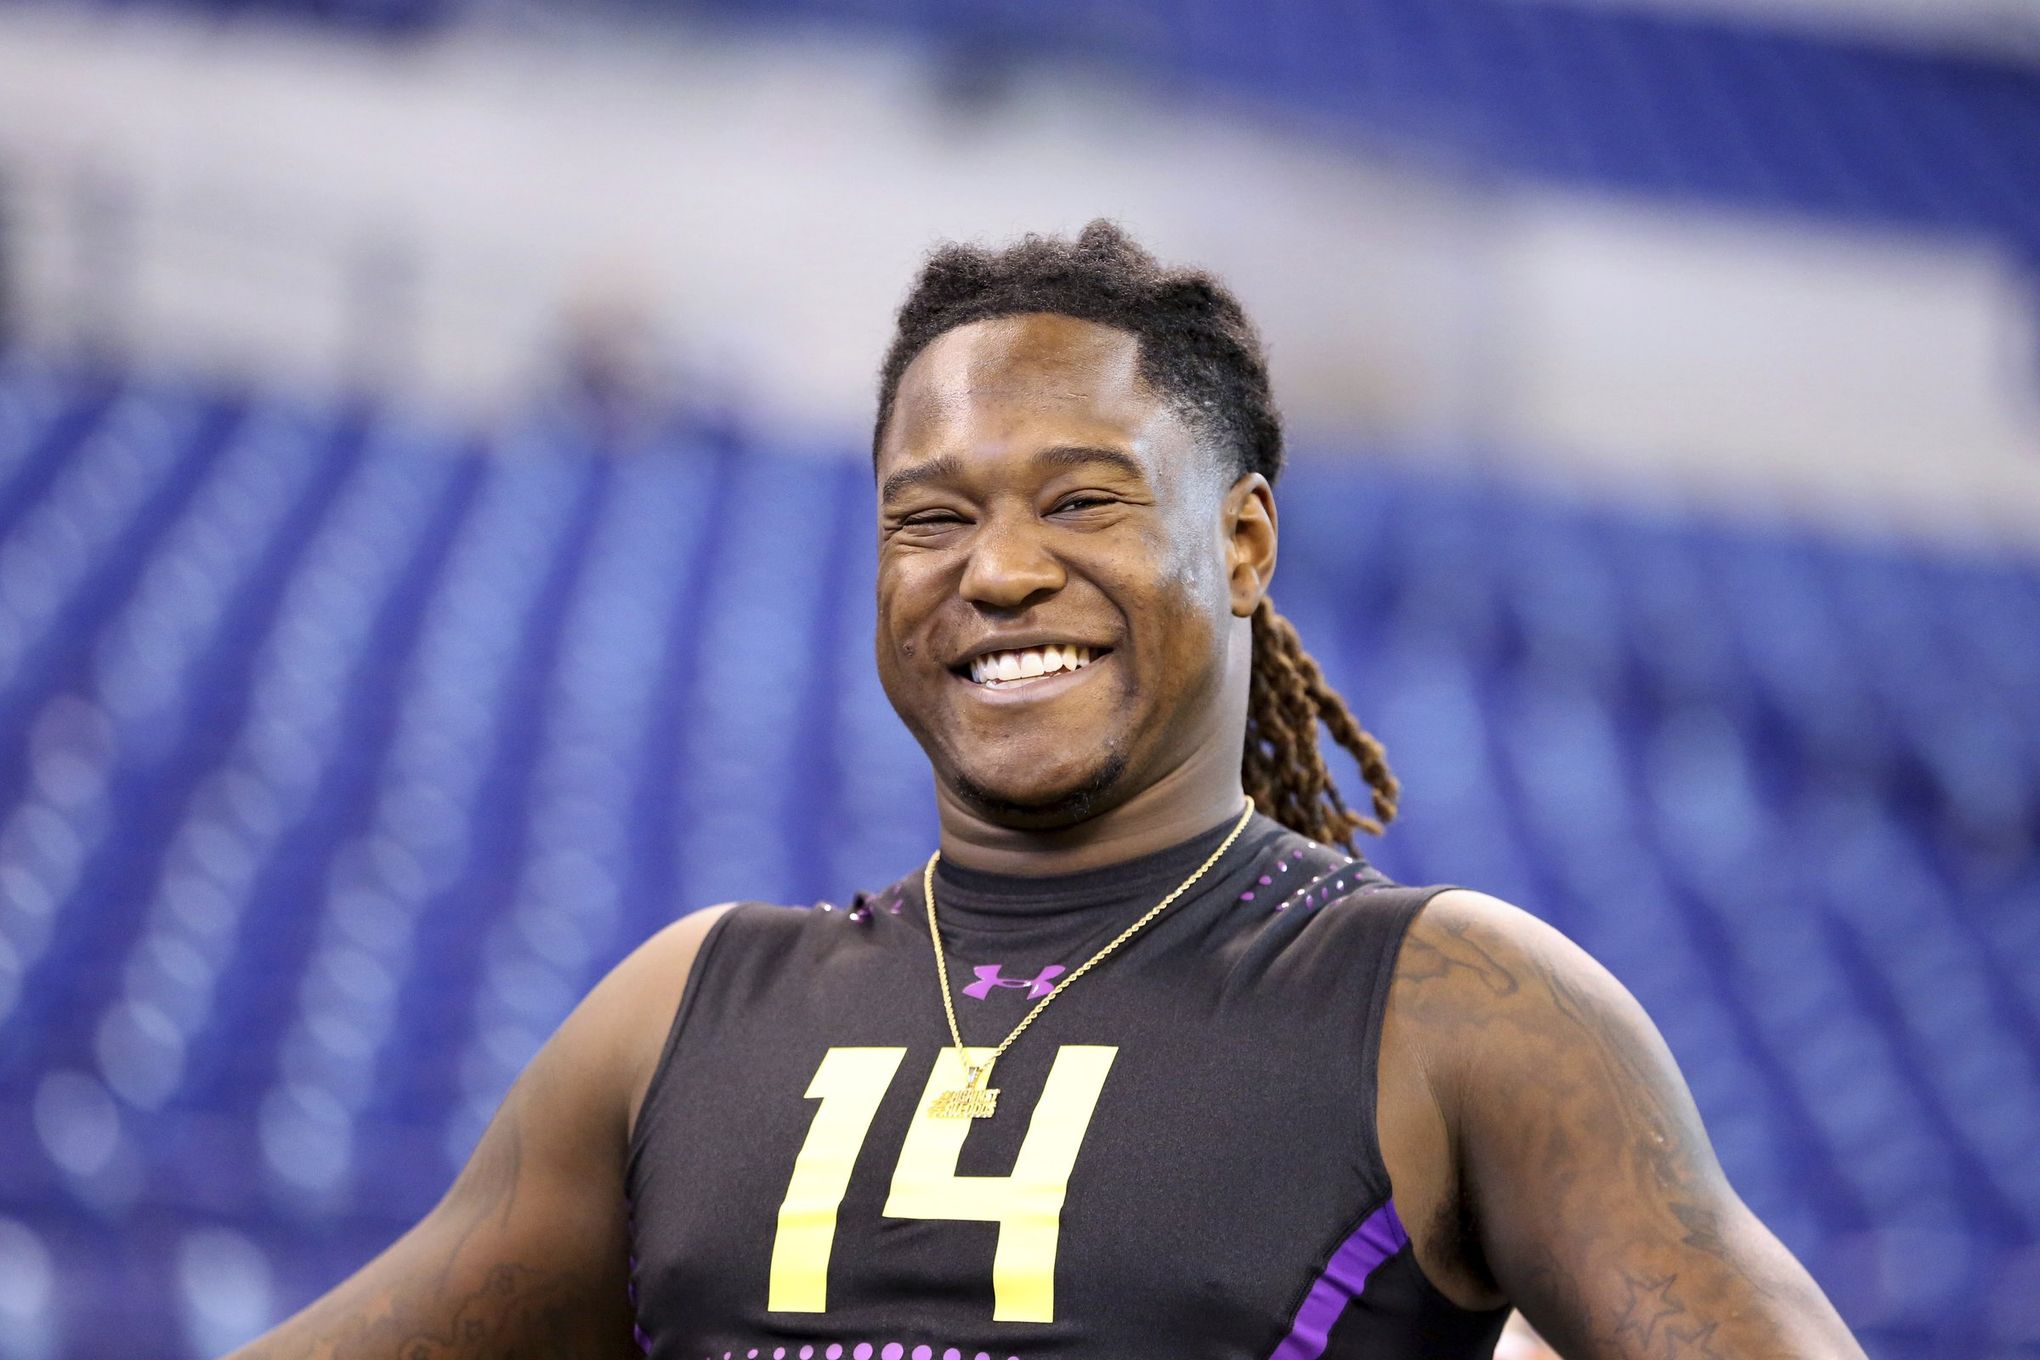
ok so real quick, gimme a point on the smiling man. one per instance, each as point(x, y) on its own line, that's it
point(1144, 1063)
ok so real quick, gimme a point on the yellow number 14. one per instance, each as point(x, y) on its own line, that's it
point(1027, 1205)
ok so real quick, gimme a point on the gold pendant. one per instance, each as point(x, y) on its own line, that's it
point(971, 1102)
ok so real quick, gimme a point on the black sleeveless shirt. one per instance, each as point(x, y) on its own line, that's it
point(1182, 1164)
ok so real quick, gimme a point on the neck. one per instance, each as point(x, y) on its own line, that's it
point(1193, 797)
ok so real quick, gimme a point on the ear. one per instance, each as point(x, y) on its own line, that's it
point(1249, 523)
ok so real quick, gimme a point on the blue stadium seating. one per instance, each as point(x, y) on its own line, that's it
point(1646, 100)
point(1642, 100)
point(340, 755)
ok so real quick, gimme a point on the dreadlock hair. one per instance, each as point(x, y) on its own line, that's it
point(1202, 355)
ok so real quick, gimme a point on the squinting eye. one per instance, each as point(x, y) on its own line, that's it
point(930, 517)
point(1082, 502)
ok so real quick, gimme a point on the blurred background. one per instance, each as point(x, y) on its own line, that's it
point(435, 533)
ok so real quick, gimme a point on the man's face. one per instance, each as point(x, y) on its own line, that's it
point(1055, 602)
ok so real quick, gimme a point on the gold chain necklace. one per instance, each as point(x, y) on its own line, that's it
point(973, 1100)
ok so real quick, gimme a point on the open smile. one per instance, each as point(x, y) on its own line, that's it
point(1040, 669)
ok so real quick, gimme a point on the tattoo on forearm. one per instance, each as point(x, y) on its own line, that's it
point(489, 1183)
point(517, 1313)
point(460, 1307)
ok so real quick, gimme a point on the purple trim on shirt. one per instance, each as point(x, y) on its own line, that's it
point(1379, 1236)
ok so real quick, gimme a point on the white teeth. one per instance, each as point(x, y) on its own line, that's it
point(1028, 663)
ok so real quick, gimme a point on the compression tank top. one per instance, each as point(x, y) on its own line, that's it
point(1183, 1162)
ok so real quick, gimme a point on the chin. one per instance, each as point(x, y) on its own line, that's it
point(1044, 803)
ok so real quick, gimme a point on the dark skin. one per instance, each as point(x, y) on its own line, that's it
point(527, 1254)
point(1031, 490)
point(1543, 1146)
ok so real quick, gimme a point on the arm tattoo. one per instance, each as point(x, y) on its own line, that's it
point(490, 1180)
point(1591, 1086)
point(1658, 1322)
point(1422, 961)
point(489, 1310)
point(1661, 1139)
point(516, 1313)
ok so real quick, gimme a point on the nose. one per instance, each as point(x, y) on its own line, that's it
point(1010, 566)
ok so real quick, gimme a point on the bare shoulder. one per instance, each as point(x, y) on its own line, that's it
point(1474, 962)
point(634, 1006)
point(1515, 1023)
point(1469, 950)
point(1521, 1034)
point(1467, 1008)
point(1591, 1193)
point(525, 1254)
point(592, 1074)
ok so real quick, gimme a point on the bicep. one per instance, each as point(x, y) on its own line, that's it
point(528, 1253)
point(1600, 1208)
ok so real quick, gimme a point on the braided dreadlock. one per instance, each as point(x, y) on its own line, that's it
point(1199, 351)
point(1282, 770)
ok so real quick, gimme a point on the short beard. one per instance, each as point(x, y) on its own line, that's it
point(1076, 805)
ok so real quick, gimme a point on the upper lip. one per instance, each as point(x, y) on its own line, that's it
point(1020, 642)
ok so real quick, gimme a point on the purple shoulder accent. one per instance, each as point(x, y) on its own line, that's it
point(1379, 1236)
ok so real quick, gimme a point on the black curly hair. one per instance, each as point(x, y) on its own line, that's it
point(1199, 351)
point(1197, 347)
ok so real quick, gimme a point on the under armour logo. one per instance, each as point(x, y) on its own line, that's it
point(1040, 985)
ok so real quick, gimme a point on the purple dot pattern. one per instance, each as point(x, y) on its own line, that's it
point(1314, 893)
point(862, 1350)
point(1333, 873)
point(1330, 881)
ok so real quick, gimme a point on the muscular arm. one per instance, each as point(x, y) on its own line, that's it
point(1591, 1197)
point(527, 1256)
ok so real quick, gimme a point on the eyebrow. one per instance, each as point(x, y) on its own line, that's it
point(948, 466)
point(1076, 455)
point(939, 469)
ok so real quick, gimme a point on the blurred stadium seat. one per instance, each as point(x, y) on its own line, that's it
point(1658, 100)
point(340, 752)
point(341, 756)
point(1655, 100)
